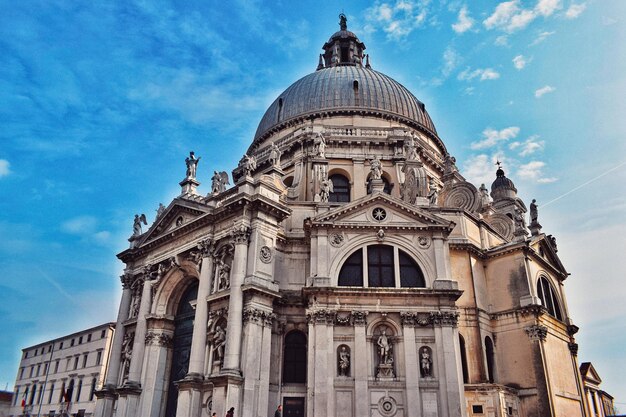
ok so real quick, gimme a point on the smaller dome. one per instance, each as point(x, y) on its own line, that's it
point(502, 187)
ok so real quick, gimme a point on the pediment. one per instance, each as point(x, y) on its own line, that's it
point(179, 213)
point(366, 213)
point(546, 250)
point(590, 374)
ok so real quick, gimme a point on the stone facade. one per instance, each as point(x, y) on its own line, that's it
point(62, 375)
point(350, 271)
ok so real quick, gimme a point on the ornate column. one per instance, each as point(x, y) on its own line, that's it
point(451, 390)
point(361, 363)
point(538, 334)
point(139, 345)
point(198, 341)
point(411, 362)
point(323, 367)
point(255, 360)
point(240, 236)
point(154, 384)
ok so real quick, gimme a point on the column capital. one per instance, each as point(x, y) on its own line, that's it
point(158, 339)
point(359, 318)
point(321, 316)
point(537, 332)
point(240, 234)
point(255, 315)
point(444, 318)
point(127, 280)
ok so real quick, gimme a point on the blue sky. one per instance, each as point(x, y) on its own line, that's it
point(102, 101)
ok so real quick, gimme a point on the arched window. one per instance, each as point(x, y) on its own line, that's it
point(463, 360)
point(381, 269)
point(490, 359)
point(548, 298)
point(410, 274)
point(295, 358)
point(341, 189)
point(380, 266)
point(351, 274)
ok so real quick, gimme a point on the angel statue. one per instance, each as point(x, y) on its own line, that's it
point(326, 187)
point(219, 182)
point(248, 163)
point(137, 224)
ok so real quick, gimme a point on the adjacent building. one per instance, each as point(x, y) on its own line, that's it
point(350, 271)
point(599, 402)
point(59, 377)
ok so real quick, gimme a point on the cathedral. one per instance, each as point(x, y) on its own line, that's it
point(349, 270)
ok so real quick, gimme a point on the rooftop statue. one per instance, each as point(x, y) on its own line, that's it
point(137, 224)
point(219, 182)
point(376, 168)
point(343, 22)
point(192, 164)
point(533, 212)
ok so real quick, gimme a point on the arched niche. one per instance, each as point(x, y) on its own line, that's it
point(344, 360)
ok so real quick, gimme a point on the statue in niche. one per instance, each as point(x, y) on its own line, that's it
point(533, 212)
point(275, 154)
point(219, 340)
point(484, 196)
point(326, 187)
point(192, 165)
point(139, 219)
point(134, 302)
point(433, 192)
point(248, 164)
point(384, 348)
point(344, 361)
point(376, 168)
point(319, 146)
point(219, 181)
point(425, 363)
point(223, 276)
point(127, 352)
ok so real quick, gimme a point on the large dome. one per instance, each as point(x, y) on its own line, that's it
point(345, 89)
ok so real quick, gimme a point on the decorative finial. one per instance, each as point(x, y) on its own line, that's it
point(499, 164)
point(343, 22)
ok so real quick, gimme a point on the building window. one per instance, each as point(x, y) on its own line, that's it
point(351, 274)
point(491, 359)
point(103, 334)
point(38, 369)
point(295, 358)
point(56, 366)
point(76, 362)
point(32, 395)
point(99, 358)
point(548, 297)
point(89, 337)
point(32, 370)
point(51, 393)
point(381, 268)
point(62, 393)
point(35, 354)
point(67, 364)
point(25, 354)
point(45, 368)
point(477, 409)
point(17, 395)
point(85, 360)
point(72, 342)
point(80, 340)
point(93, 389)
point(78, 390)
point(341, 189)
point(463, 360)
point(22, 373)
point(60, 345)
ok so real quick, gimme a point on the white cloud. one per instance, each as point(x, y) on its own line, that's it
point(508, 16)
point(547, 180)
point(451, 60)
point(575, 10)
point(397, 20)
point(520, 62)
point(547, 7)
point(481, 73)
point(491, 137)
point(4, 168)
point(544, 90)
point(542, 37)
point(502, 40)
point(80, 225)
point(469, 91)
point(533, 171)
point(481, 169)
point(529, 146)
point(464, 23)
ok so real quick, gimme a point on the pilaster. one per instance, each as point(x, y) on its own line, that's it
point(411, 362)
point(359, 321)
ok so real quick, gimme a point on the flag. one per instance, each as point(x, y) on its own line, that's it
point(23, 403)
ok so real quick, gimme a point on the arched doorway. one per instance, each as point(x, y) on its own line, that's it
point(182, 346)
